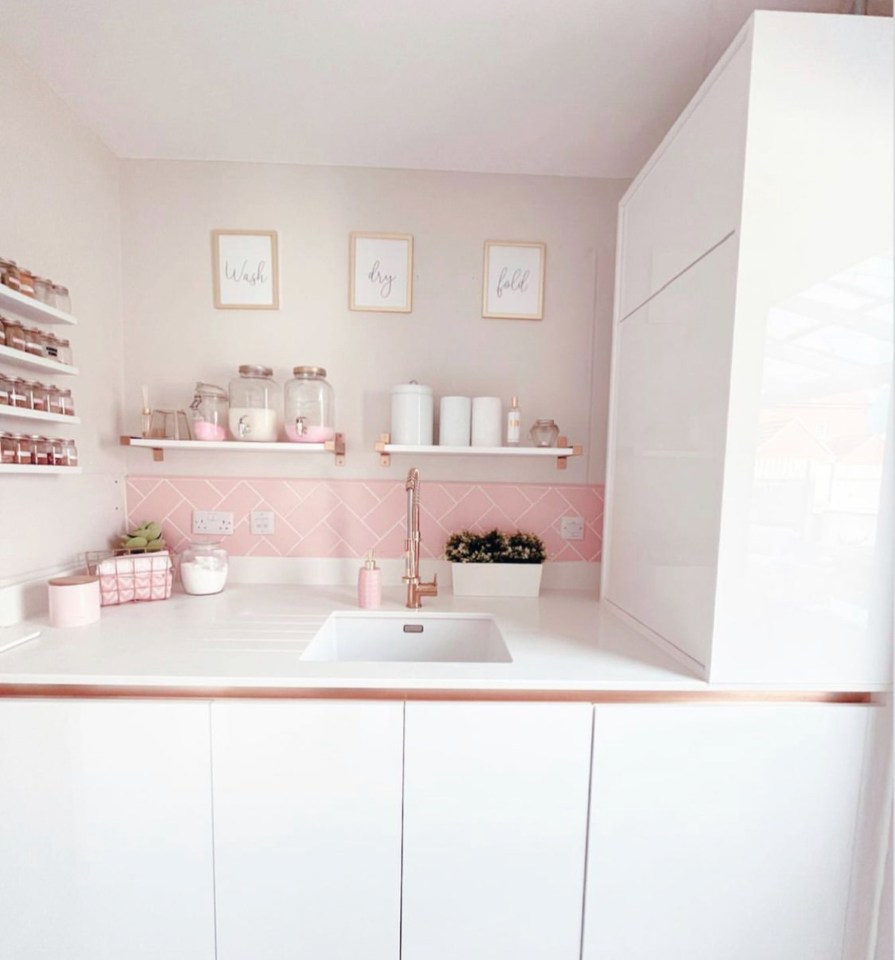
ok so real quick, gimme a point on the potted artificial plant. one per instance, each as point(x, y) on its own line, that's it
point(495, 564)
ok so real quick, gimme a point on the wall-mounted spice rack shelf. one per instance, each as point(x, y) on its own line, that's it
point(27, 308)
point(336, 447)
point(561, 452)
point(20, 413)
point(34, 468)
point(18, 358)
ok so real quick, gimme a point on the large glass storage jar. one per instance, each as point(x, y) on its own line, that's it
point(203, 568)
point(309, 406)
point(208, 412)
point(253, 405)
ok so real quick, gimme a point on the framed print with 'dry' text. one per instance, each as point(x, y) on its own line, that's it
point(381, 272)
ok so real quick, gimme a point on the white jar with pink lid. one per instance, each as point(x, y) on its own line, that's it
point(309, 405)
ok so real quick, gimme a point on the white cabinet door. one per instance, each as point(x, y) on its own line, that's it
point(495, 811)
point(105, 831)
point(670, 383)
point(307, 826)
point(722, 831)
point(689, 196)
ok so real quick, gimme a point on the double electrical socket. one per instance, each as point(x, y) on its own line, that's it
point(571, 528)
point(214, 522)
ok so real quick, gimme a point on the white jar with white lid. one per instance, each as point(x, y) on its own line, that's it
point(254, 405)
point(413, 414)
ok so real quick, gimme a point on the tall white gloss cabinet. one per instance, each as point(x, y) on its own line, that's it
point(748, 522)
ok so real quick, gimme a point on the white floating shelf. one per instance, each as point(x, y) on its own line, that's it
point(158, 447)
point(560, 453)
point(27, 308)
point(22, 414)
point(32, 468)
point(18, 358)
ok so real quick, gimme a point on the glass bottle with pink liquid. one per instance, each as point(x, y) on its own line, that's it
point(309, 406)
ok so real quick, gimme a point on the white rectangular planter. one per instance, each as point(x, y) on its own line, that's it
point(496, 579)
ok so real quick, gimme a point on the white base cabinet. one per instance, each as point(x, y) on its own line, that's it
point(495, 820)
point(105, 831)
point(307, 829)
point(723, 831)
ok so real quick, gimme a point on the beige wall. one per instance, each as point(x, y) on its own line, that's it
point(174, 336)
point(59, 215)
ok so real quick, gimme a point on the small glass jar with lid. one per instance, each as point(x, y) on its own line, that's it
point(40, 450)
point(61, 299)
point(26, 282)
point(15, 333)
point(203, 568)
point(36, 396)
point(208, 412)
point(2, 332)
point(4, 390)
point(21, 448)
point(43, 290)
point(34, 342)
point(18, 395)
point(69, 453)
point(254, 400)
point(57, 445)
point(7, 448)
point(66, 403)
point(65, 355)
point(54, 399)
point(309, 406)
point(9, 274)
point(544, 433)
point(51, 346)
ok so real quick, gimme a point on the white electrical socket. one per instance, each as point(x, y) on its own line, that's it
point(261, 521)
point(571, 528)
point(216, 522)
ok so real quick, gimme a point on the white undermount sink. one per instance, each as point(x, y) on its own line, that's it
point(409, 638)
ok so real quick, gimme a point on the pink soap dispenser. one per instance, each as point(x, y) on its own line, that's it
point(369, 584)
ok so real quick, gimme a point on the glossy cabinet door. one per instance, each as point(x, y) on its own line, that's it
point(495, 817)
point(688, 197)
point(307, 826)
point(105, 831)
point(666, 454)
point(722, 831)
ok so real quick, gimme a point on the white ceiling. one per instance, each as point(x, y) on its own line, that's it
point(568, 87)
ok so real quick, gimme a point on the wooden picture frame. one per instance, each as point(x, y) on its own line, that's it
point(513, 280)
point(380, 272)
point(245, 269)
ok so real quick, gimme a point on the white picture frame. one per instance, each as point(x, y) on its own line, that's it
point(380, 272)
point(245, 269)
point(513, 280)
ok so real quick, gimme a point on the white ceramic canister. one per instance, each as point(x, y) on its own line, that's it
point(413, 409)
point(487, 422)
point(74, 601)
point(453, 425)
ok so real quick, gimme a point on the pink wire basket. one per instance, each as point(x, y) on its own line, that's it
point(126, 577)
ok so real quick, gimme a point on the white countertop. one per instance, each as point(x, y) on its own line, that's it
point(251, 637)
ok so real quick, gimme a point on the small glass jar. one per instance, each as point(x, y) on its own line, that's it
point(7, 448)
point(40, 450)
point(309, 406)
point(51, 346)
point(544, 433)
point(2, 332)
point(61, 299)
point(26, 282)
point(36, 395)
point(43, 290)
point(203, 568)
point(65, 355)
point(66, 403)
point(33, 342)
point(15, 333)
point(69, 453)
point(253, 405)
point(9, 274)
point(18, 395)
point(4, 390)
point(208, 412)
point(54, 399)
point(57, 447)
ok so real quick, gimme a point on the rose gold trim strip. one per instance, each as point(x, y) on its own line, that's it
point(66, 691)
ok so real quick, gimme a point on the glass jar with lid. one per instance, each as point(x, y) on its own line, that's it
point(544, 433)
point(9, 274)
point(16, 448)
point(203, 568)
point(26, 282)
point(34, 341)
point(208, 412)
point(61, 299)
point(43, 290)
point(65, 355)
point(15, 333)
point(5, 387)
point(18, 396)
point(309, 406)
point(69, 453)
point(254, 399)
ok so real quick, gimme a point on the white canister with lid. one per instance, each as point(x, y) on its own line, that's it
point(413, 412)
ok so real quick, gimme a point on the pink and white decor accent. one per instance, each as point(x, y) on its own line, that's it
point(346, 518)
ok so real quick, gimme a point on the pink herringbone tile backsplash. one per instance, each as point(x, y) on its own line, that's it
point(345, 518)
